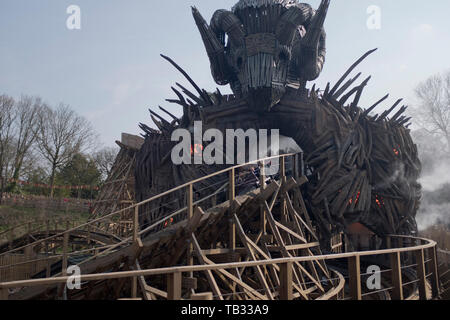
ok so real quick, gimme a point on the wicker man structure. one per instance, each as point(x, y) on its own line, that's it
point(362, 167)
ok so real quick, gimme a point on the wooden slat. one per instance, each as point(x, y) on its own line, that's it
point(286, 281)
point(396, 274)
point(156, 291)
point(421, 274)
point(143, 285)
point(289, 231)
point(238, 281)
point(209, 275)
point(354, 273)
point(202, 296)
point(251, 254)
point(174, 286)
point(432, 253)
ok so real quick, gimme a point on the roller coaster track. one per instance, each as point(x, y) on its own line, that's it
point(258, 245)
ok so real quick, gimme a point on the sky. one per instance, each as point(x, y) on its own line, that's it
point(110, 70)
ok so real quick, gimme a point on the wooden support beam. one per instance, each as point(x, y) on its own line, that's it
point(354, 273)
point(262, 176)
point(174, 286)
point(65, 249)
point(205, 296)
point(295, 214)
point(289, 231)
point(134, 280)
point(295, 166)
point(238, 281)
point(286, 281)
point(137, 247)
point(156, 291)
point(298, 278)
point(252, 256)
point(421, 274)
point(434, 272)
point(396, 274)
point(283, 169)
point(190, 215)
point(143, 285)
point(209, 275)
point(232, 197)
point(136, 224)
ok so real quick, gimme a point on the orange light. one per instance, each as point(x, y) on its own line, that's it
point(379, 201)
point(357, 198)
point(197, 149)
point(168, 222)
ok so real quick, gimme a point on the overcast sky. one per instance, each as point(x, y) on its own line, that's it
point(111, 73)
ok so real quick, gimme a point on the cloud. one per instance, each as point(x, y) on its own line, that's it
point(124, 90)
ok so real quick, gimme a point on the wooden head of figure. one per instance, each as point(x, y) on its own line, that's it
point(261, 46)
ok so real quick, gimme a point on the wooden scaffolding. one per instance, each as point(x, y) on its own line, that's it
point(117, 192)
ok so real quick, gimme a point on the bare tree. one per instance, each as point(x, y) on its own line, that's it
point(433, 114)
point(62, 134)
point(104, 159)
point(26, 129)
point(7, 118)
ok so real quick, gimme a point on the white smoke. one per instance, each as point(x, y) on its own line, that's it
point(435, 207)
point(438, 177)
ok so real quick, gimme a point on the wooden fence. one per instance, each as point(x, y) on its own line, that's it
point(425, 267)
point(15, 267)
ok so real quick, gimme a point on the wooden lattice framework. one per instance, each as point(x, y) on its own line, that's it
point(269, 222)
point(118, 190)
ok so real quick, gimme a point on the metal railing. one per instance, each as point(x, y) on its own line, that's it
point(174, 274)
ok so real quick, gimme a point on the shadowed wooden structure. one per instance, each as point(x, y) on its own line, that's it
point(117, 192)
point(363, 167)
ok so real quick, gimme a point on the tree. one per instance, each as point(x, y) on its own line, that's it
point(7, 118)
point(35, 175)
point(105, 159)
point(80, 171)
point(26, 129)
point(62, 134)
point(433, 114)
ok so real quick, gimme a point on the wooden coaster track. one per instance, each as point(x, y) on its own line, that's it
point(238, 246)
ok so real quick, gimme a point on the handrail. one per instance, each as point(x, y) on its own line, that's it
point(199, 268)
point(136, 205)
point(183, 186)
point(353, 257)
